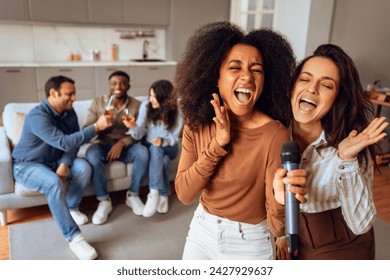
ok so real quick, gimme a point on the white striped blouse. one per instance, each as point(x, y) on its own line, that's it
point(334, 183)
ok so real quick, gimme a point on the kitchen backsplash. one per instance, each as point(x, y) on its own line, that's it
point(52, 43)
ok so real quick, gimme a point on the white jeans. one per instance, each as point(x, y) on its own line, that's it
point(214, 238)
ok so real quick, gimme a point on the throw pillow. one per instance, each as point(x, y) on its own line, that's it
point(19, 121)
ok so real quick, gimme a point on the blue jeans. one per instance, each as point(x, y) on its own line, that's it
point(135, 153)
point(60, 197)
point(159, 165)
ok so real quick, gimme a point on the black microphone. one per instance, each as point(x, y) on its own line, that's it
point(290, 160)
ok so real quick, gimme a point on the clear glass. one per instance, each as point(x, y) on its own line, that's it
point(110, 105)
point(252, 5)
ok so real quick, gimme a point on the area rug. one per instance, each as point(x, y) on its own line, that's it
point(129, 237)
point(124, 237)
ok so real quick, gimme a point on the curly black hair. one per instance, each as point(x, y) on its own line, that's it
point(168, 111)
point(198, 72)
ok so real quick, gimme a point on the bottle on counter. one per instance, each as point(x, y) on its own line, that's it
point(114, 52)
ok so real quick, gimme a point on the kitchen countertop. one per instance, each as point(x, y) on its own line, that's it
point(85, 63)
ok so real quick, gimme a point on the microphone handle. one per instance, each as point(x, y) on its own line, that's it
point(292, 213)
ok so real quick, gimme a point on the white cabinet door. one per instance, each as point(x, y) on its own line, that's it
point(101, 77)
point(13, 9)
point(143, 76)
point(84, 78)
point(17, 85)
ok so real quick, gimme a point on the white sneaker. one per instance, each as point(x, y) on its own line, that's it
point(82, 249)
point(101, 214)
point(78, 217)
point(162, 206)
point(151, 204)
point(135, 203)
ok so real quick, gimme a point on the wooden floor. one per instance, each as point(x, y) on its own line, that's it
point(381, 197)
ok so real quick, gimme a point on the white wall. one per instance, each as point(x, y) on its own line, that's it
point(292, 20)
point(51, 43)
point(362, 28)
point(306, 23)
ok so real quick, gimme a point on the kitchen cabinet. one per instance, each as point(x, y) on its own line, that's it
point(17, 85)
point(59, 10)
point(142, 77)
point(101, 78)
point(103, 11)
point(84, 78)
point(147, 12)
point(123, 12)
point(13, 9)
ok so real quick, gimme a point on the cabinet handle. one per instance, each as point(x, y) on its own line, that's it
point(65, 70)
point(111, 69)
point(13, 71)
point(153, 68)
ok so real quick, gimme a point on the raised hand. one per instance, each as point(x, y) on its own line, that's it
point(350, 147)
point(221, 120)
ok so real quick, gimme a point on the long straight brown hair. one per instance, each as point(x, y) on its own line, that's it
point(352, 108)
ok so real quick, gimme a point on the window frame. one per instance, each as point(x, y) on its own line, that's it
point(236, 13)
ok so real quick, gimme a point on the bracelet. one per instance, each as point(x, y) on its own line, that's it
point(96, 127)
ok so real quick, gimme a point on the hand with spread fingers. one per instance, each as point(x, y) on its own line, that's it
point(221, 119)
point(350, 147)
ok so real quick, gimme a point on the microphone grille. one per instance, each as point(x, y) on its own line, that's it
point(290, 152)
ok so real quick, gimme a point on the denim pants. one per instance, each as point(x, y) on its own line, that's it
point(60, 196)
point(214, 238)
point(159, 165)
point(135, 153)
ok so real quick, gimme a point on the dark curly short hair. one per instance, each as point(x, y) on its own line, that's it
point(198, 72)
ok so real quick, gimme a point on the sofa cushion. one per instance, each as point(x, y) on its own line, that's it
point(19, 121)
point(23, 191)
point(116, 169)
point(81, 108)
point(10, 122)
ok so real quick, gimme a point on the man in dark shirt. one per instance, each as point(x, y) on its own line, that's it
point(45, 159)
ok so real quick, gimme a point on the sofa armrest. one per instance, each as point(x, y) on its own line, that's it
point(7, 180)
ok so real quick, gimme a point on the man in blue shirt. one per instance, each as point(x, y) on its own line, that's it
point(45, 159)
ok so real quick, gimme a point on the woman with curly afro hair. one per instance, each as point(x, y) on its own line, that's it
point(233, 91)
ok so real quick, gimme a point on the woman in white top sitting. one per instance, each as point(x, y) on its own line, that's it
point(159, 124)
